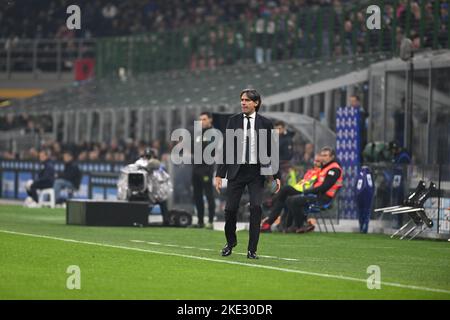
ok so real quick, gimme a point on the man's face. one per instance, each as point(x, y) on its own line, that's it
point(67, 157)
point(206, 122)
point(43, 156)
point(354, 102)
point(309, 148)
point(280, 129)
point(317, 161)
point(248, 106)
point(326, 156)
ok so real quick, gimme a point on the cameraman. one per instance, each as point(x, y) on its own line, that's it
point(150, 162)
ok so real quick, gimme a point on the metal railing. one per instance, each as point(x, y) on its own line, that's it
point(40, 56)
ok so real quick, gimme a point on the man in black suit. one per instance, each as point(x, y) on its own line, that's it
point(245, 171)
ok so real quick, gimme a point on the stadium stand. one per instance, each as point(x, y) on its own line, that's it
point(112, 17)
point(144, 36)
point(200, 88)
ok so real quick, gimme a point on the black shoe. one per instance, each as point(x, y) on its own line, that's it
point(228, 249)
point(252, 255)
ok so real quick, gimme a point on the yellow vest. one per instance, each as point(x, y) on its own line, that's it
point(308, 180)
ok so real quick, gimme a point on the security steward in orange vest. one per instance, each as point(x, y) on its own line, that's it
point(279, 201)
point(324, 190)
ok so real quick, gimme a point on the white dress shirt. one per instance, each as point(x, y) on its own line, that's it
point(253, 155)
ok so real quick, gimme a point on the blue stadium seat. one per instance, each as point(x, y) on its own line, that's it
point(316, 211)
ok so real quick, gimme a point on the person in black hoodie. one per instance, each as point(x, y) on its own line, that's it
point(285, 141)
point(45, 177)
point(70, 178)
point(202, 177)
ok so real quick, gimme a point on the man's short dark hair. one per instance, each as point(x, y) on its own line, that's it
point(330, 150)
point(355, 96)
point(253, 95)
point(279, 123)
point(206, 113)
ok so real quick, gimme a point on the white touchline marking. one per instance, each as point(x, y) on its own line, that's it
point(239, 253)
point(207, 249)
point(323, 275)
point(290, 259)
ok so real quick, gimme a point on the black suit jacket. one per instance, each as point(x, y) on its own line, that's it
point(236, 121)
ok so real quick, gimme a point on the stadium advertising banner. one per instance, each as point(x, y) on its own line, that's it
point(348, 153)
point(23, 178)
point(444, 214)
point(8, 184)
point(98, 180)
point(83, 191)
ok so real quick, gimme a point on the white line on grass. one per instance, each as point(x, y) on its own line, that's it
point(323, 275)
point(207, 249)
point(239, 253)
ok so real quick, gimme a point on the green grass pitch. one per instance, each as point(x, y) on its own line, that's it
point(37, 247)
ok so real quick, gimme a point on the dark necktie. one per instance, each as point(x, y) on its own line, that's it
point(247, 153)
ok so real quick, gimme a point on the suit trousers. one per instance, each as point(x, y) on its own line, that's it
point(202, 183)
point(296, 208)
point(248, 176)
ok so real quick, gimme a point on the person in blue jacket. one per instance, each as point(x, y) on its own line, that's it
point(45, 177)
point(364, 197)
point(399, 155)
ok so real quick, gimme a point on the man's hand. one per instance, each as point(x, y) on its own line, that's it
point(278, 185)
point(218, 184)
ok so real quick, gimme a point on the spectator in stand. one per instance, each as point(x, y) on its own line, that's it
point(8, 122)
point(69, 179)
point(44, 179)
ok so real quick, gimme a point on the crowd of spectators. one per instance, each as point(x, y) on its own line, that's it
point(130, 150)
point(220, 32)
point(114, 151)
point(25, 123)
point(46, 18)
point(41, 125)
point(278, 32)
